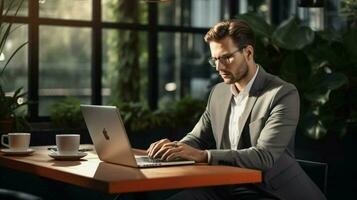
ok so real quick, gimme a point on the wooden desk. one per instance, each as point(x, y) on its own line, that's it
point(91, 173)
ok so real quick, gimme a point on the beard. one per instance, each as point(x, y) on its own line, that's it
point(231, 78)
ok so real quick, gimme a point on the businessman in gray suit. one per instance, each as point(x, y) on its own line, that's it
point(250, 121)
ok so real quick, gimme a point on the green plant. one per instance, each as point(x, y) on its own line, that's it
point(322, 65)
point(10, 104)
point(138, 117)
point(67, 113)
point(124, 65)
point(183, 113)
point(349, 7)
point(188, 110)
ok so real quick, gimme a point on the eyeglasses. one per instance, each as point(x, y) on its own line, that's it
point(225, 59)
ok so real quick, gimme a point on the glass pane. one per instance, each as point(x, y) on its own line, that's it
point(125, 11)
point(312, 17)
point(15, 74)
point(261, 7)
point(64, 9)
point(193, 13)
point(125, 58)
point(183, 66)
point(65, 65)
point(11, 7)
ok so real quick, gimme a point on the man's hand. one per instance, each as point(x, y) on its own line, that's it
point(166, 150)
point(155, 147)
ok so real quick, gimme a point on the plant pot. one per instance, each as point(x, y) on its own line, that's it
point(6, 125)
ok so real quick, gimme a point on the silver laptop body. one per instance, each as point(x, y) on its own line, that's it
point(107, 131)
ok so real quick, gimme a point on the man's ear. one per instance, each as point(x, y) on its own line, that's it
point(249, 53)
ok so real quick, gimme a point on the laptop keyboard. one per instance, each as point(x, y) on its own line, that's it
point(150, 160)
point(145, 161)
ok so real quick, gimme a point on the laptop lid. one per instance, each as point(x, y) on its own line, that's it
point(110, 140)
point(108, 134)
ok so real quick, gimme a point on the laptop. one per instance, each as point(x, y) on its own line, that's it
point(106, 128)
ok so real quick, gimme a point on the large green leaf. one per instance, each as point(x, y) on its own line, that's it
point(350, 42)
point(313, 126)
point(320, 96)
point(334, 81)
point(293, 35)
point(330, 35)
point(296, 68)
point(257, 23)
point(327, 79)
point(321, 83)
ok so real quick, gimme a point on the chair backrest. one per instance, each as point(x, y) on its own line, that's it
point(16, 195)
point(317, 171)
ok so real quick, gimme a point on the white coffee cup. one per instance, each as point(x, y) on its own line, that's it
point(16, 141)
point(67, 144)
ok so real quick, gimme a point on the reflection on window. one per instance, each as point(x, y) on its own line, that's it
point(261, 7)
point(125, 57)
point(65, 9)
point(194, 13)
point(124, 11)
point(183, 66)
point(65, 63)
point(14, 5)
point(313, 17)
point(15, 75)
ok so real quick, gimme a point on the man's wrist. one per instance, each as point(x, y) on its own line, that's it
point(204, 156)
point(208, 156)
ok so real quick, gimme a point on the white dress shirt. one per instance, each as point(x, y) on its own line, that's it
point(238, 104)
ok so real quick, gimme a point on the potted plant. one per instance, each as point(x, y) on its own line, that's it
point(313, 61)
point(66, 114)
point(349, 9)
point(9, 104)
point(172, 120)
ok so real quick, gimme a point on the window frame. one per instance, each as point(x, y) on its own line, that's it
point(97, 25)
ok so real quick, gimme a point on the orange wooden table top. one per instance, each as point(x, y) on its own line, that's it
point(92, 173)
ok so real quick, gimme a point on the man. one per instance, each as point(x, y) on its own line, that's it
point(249, 122)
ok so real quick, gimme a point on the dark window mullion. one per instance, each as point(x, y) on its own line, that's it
point(96, 54)
point(33, 60)
point(233, 8)
point(153, 67)
point(144, 27)
point(64, 22)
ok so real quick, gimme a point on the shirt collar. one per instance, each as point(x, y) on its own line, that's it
point(247, 87)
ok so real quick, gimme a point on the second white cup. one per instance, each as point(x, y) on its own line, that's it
point(67, 144)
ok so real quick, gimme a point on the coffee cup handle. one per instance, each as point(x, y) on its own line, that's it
point(3, 140)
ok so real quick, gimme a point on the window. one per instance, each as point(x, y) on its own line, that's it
point(125, 56)
point(13, 5)
point(15, 75)
point(88, 49)
point(124, 11)
point(64, 65)
point(191, 13)
point(183, 66)
point(64, 9)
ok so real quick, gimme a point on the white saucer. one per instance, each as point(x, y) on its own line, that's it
point(17, 152)
point(58, 156)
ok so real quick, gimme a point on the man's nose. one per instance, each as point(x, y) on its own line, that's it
point(219, 65)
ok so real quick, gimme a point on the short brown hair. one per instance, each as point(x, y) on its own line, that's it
point(238, 30)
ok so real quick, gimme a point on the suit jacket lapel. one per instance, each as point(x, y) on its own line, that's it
point(253, 95)
point(224, 116)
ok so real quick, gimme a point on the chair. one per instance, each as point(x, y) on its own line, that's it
point(317, 171)
point(7, 194)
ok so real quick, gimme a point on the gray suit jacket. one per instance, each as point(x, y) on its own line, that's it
point(267, 140)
